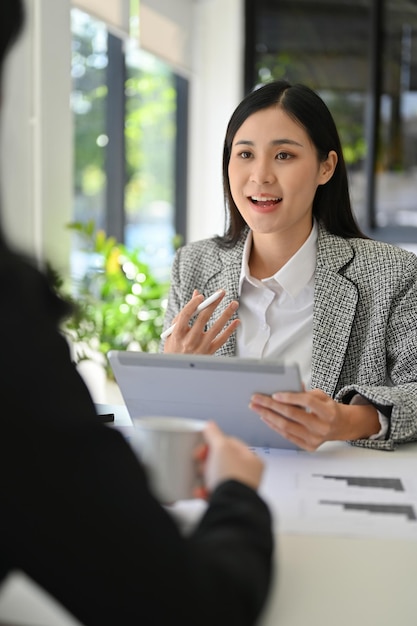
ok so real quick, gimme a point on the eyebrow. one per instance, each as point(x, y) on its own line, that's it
point(274, 142)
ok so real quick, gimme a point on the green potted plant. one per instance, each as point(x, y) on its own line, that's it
point(119, 303)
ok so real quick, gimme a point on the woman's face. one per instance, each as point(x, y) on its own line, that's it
point(274, 172)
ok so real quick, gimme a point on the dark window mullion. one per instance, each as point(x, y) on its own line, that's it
point(372, 121)
point(251, 16)
point(115, 165)
point(181, 157)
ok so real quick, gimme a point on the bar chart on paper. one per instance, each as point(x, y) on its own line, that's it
point(351, 498)
point(395, 484)
point(406, 510)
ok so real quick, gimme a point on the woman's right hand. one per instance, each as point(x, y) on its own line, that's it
point(226, 458)
point(195, 339)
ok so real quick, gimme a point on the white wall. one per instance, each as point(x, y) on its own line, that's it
point(36, 149)
point(216, 88)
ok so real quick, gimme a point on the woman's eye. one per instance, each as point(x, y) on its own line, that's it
point(244, 155)
point(283, 156)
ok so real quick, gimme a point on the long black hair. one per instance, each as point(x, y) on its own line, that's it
point(331, 204)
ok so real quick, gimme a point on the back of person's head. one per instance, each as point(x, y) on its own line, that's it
point(331, 205)
point(11, 22)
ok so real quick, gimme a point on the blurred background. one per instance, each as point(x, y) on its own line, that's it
point(114, 116)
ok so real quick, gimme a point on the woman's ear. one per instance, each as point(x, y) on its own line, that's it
point(328, 167)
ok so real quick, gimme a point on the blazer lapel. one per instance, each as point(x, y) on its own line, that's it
point(335, 304)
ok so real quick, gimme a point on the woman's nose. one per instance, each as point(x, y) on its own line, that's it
point(262, 172)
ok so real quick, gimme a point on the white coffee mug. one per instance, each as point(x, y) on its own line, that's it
point(166, 445)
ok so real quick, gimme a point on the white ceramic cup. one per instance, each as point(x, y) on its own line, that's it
point(165, 445)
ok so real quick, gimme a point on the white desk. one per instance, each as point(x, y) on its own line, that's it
point(341, 580)
point(321, 580)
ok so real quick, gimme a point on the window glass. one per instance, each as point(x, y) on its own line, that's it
point(397, 162)
point(149, 125)
point(150, 136)
point(88, 102)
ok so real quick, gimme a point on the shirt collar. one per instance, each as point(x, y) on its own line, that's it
point(295, 274)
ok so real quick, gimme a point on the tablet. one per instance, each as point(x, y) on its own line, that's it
point(205, 387)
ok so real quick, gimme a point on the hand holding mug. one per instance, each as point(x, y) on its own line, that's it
point(226, 458)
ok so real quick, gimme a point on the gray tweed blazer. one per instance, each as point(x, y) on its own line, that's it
point(364, 321)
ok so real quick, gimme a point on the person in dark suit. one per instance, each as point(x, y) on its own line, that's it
point(77, 515)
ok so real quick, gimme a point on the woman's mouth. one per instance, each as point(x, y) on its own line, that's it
point(264, 203)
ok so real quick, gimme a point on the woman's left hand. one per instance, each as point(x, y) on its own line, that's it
point(309, 418)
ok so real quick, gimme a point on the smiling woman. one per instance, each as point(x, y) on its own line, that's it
point(302, 283)
point(270, 155)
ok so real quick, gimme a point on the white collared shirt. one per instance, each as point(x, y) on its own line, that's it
point(276, 313)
